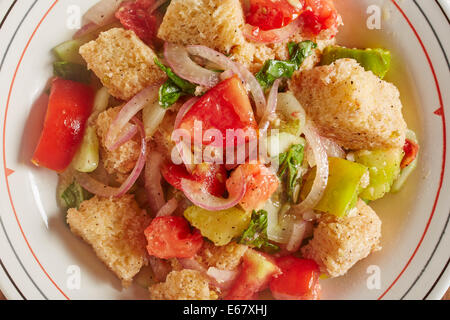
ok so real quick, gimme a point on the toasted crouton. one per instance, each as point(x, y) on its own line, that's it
point(115, 229)
point(226, 257)
point(339, 243)
point(352, 106)
point(183, 285)
point(219, 24)
point(122, 62)
point(122, 160)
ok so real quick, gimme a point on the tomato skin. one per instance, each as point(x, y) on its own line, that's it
point(299, 279)
point(257, 270)
point(134, 15)
point(269, 15)
point(170, 237)
point(226, 106)
point(70, 105)
point(213, 176)
point(261, 184)
point(411, 149)
point(319, 15)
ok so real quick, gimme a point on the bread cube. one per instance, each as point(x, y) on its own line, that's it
point(121, 161)
point(123, 63)
point(352, 106)
point(183, 285)
point(339, 243)
point(227, 257)
point(115, 230)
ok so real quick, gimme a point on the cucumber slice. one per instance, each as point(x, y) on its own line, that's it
point(69, 52)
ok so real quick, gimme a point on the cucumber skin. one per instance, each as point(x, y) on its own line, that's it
point(69, 52)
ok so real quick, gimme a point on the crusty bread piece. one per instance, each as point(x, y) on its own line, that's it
point(122, 160)
point(227, 257)
point(122, 62)
point(183, 285)
point(352, 106)
point(218, 24)
point(115, 230)
point(338, 243)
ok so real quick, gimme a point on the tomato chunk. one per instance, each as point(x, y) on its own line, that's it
point(261, 184)
point(319, 15)
point(272, 14)
point(316, 15)
point(257, 270)
point(213, 176)
point(171, 237)
point(299, 279)
point(226, 106)
point(134, 15)
point(411, 149)
point(70, 105)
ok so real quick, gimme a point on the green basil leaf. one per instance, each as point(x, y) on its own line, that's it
point(184, 85)
point(276, 69)
point(169, 93)
point(256, 234)
point(74, 195)
point(290, 161)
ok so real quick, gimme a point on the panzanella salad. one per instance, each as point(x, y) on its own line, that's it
point(219, 149)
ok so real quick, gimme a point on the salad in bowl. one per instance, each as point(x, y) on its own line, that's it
point(223, 149)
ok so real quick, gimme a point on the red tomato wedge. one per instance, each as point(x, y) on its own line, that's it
point(411, 149)
point(224, 107)
point(319, 15)
point(261, 184)
point(299, 279)
point(134, 15)
point(257, 270)
point(70, 105)
point(213, 176)
point(171, 237)
point(315, 15)
point(272, 14)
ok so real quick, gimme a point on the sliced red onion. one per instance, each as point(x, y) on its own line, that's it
point(184, 110)
point(168, 208)
point(152, 177)
point(255, 89)
point(198, 195)
point(192, 264)
point(222, 278)
point(214, 56)
point(103, 12)
point(128, 111)
point(98, 188)
point(178, 59)
point(320, 182)
point(297, 236)
point(160, 268)
point(226, 75)
point(129, 133)
point(186, 155)
point(255, 34)
point(271, 106)
point(333, 149)
point(86, 29)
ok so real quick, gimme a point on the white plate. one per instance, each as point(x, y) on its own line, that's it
point(39, 255)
